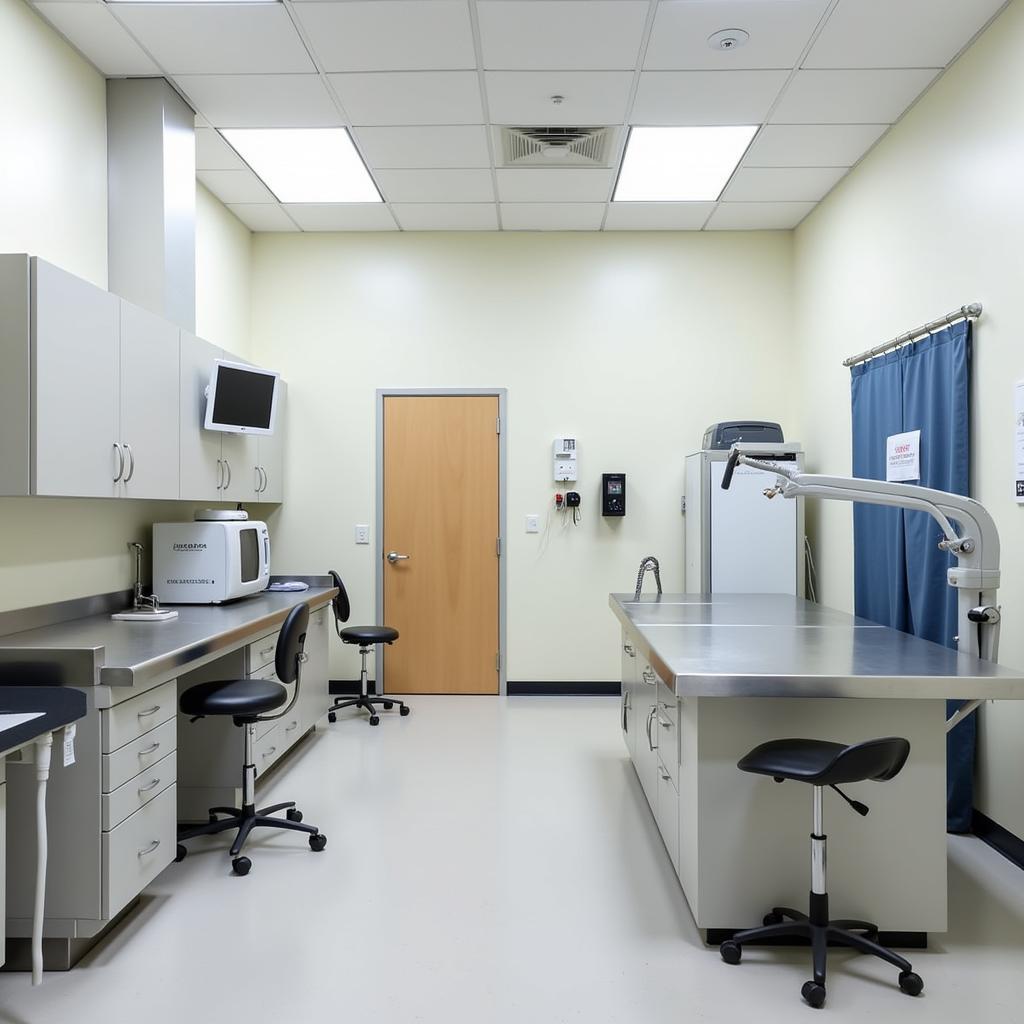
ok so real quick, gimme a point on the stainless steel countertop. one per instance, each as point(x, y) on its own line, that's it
point(776, 645)
point(98, 651)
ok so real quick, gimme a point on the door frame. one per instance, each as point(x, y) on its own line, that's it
point(502, 395)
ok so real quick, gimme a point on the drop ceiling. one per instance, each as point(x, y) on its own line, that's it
point(421, 85)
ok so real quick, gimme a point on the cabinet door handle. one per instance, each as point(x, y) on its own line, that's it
point(227, 466)
point(131, 463)
point(120, 464)
point(625, 720)
point(266, 480)
point(149, 750)
point(294, 725)
point(267, 753)
point(149, 711)
point(650, 720)
point(149, 785)
point(664, 722)
point(628, 648)
point(149, 849)
point(665, 776)
point(220, 474)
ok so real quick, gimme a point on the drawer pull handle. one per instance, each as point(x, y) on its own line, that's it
point(665, 776)
point(149, 711)
point(294, 725)
point(266, 651)
point(628, 648)
point(267, 753)
point(149, 785)
point(664, 722)
point(146, 850)
point(650, 677)
point(150, 750)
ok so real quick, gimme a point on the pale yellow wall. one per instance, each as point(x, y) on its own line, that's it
point(932, 219)
point(53, 204)
point(633, 343)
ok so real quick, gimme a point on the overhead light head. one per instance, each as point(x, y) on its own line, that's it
point(680, 165)
point(306, 165)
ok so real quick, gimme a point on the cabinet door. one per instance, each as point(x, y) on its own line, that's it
point(149, 403)
point(238, 453)
point(271, 453)
point(199, 449)
point(629, 695)
point(75, 364)
point(314, 697)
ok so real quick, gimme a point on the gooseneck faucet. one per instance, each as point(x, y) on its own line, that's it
point(650, 562)
point(142, 601)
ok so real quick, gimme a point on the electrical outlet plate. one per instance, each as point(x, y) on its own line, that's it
point(533, 524)
point(362, 533)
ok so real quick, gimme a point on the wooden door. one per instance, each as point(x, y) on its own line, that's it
point(441, 509)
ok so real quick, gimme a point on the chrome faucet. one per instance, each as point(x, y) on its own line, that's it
point(650, 562)
point(142, 601)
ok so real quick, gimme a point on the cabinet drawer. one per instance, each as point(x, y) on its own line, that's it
point(261, 652)
point(128, 720)
point(137, 850)
point(668, 744)
point(666, 696)
point(140, 754)
point(269, 748)
point(290, 727)
point(138, 792)
point(268, 672)
point(667, 814)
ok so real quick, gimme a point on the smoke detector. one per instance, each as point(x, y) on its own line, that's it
point(728, 39)
point(545, 146)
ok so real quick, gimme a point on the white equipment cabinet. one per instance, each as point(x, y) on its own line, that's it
point(738, 541)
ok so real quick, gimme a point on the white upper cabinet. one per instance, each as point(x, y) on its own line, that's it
point(202, 471)
point(270, 454)
point(149, 404)
point(75, 413)
point(238, 452)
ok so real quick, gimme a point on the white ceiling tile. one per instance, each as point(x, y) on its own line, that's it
point(552, 216)
point(94, 31)
point(758, 216)
point(236, 186)
point(812, 145)
point(554, 185)
point(214, 154)
point(410, 97)
point(218, 39)
point(261, 101)
point(908, 34)
point(342, 217)
point(782, 184)
point(425, 146)
point(389, 35)
point(436, 186)
point(779, 31)
point(446, 216)
point(657, 216)
point(585, 35)
point(705, 97)
point(263, 216)
point(589, 97)
point(850, 97)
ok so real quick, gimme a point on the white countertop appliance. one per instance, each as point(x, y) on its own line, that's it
point(210, 561)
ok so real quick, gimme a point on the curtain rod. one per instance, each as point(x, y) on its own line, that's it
point(969, 312)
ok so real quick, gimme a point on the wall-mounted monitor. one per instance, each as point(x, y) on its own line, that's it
point(241, 399)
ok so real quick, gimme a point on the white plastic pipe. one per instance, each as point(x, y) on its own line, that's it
point(44, 747)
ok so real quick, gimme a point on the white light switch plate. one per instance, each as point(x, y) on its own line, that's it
point(362, 533)
point(533, 524)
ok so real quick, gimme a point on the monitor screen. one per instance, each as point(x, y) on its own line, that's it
point(241, 399)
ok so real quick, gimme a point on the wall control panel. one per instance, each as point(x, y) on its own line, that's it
point(613, 494)
point(564, 452)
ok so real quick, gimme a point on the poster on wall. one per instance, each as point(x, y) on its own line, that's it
point(1018, 440)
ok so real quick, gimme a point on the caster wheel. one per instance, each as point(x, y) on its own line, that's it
point(317, 842)
point(772, 918)
point(331, 716)
point(911, 983)
point(388, 705)
point(181, 853)
point(241, 865)
point(731, 951)
point(294, 815)
point(374, 720)
point(403, 711)
point(212, 818)
point(813, 993)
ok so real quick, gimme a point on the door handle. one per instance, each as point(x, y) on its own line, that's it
point(120, 455)
point(394, 556)
point(650, 721)
point(131, 463)
point(266, 480)
point(227, 466)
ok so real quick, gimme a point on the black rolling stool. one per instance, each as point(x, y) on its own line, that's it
point(246, 700)
point(366, 637)
point(824, 764)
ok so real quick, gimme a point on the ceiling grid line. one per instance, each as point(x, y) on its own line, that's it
point(478, 49)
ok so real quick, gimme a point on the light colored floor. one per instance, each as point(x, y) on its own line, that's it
point(489, 861)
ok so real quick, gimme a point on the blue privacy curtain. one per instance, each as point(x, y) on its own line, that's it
point(899, 572)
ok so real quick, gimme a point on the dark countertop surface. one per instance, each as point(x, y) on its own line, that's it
point(60, 706)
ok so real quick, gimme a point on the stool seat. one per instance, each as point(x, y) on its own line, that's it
point(822, 763)
point(240, 698)
point(366, 635)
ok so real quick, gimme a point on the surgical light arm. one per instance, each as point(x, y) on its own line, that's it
point(974, 542)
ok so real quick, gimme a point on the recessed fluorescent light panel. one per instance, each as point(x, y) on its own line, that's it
point(306, 165)
point(680, 165)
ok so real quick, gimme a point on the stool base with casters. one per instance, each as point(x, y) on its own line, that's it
point(822, 764)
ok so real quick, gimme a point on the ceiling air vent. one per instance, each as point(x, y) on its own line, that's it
point(555, 147)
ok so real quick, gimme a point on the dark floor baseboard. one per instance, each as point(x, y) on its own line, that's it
point(349, 687)
point(599, 688)
point(999, 838)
